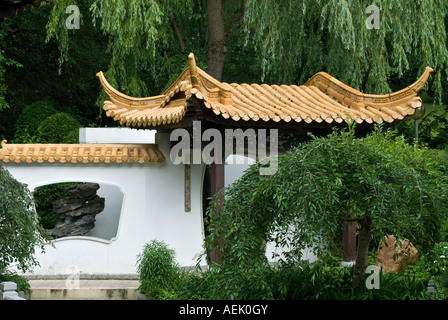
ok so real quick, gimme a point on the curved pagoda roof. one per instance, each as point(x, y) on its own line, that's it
point(322, 101)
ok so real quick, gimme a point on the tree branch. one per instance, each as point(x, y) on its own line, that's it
point(178, 34)
point(235, 20)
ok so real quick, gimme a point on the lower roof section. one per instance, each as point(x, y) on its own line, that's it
point(82, 153)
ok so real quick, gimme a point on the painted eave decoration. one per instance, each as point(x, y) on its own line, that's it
point(322, 100)
point(81, 153)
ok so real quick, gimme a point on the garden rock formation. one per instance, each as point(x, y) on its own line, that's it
point(393, 256)
point(77, 210)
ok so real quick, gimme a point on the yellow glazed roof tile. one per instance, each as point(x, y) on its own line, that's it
point(83, 153)
point(322, 99)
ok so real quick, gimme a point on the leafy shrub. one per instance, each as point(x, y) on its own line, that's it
point(300, 281)
point(444, 281)
point(157, 269)
point(438, 261)
point(30, 119)
point(59, 128)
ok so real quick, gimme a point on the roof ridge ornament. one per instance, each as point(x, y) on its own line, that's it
point(194, 74)
point(360, 100)
point(124, 101)
point(3, 143)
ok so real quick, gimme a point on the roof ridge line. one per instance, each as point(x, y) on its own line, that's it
point(358, 99)
point(124, 101)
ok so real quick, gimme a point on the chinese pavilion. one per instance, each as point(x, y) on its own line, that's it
point(155, 189)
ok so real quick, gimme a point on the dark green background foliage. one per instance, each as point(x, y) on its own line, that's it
point(40, 122)
point(59, 128)
point(27, 124)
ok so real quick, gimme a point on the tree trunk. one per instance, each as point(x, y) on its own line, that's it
point(217, 184)
point(217, 49)
point(364, 238)
point(219, 35)
point(178, 34)
point(349, 242)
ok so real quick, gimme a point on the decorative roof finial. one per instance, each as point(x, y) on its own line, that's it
point(194, 75)
point(3, 143)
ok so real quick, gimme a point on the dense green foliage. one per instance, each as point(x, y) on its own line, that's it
point(301, 281)
point(401, 186)
point(290, 40)
point(432, 127)
point(22, 283)
point(20, 233)
point(135, 43)
point(40, 122)
point(26, 128)
point(332, 36)
point(59, 128)
point(321, 183)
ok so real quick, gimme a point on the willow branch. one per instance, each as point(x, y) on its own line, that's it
point(236, 19)
point(178, 34)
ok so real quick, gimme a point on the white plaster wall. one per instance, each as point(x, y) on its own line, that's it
point(106, 222)
point(235, 166)
point(116, 135)
point(153, 208)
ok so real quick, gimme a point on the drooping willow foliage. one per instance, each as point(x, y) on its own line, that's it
point(401, 188)
point(291, 39)
point(136, 31)
point(20, 232)
point(303, 37)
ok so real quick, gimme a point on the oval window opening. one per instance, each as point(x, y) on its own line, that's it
point(79, 209)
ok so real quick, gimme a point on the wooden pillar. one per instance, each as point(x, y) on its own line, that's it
point(349, 242)
point(217, 184)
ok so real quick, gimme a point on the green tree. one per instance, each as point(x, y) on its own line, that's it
point(382, 183)
point(157, 269)
point(20, 232)
point(290, 40)
point(59, 128)
point(297, 37)
point(4, 61)
point(30, 119)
